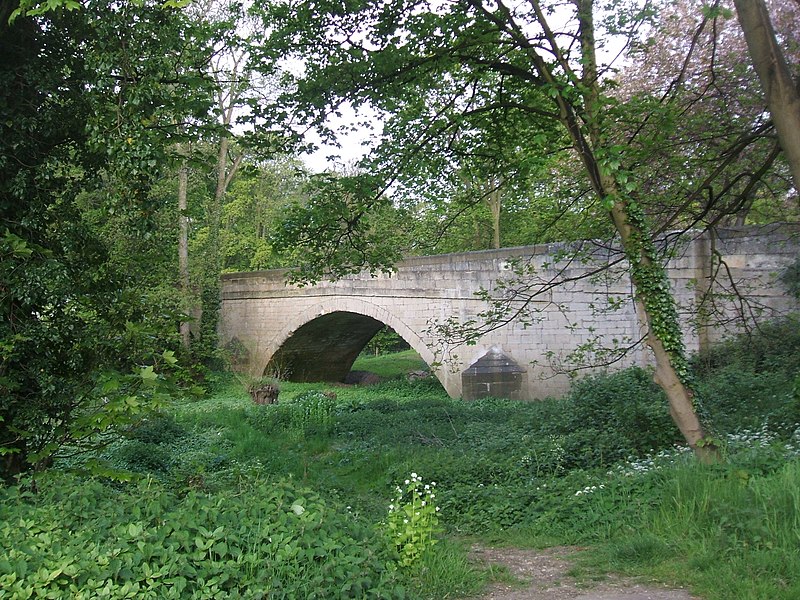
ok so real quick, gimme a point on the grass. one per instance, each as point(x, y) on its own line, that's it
point(597, 469)
point(393, 365)
point(507, 474)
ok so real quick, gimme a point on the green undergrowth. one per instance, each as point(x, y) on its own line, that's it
point(602, 467)
point(392, 365)
point(83, 539)
point(723, 531)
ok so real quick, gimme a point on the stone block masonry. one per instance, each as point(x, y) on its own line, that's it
point(577, 301)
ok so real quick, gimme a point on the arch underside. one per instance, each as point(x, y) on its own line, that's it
point(325, 348)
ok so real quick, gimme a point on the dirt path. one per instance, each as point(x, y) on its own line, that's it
point(544, 576)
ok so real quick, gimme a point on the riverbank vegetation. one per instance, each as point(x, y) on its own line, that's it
point(218, 497)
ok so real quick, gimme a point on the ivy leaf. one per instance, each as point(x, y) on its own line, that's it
point(169, 357)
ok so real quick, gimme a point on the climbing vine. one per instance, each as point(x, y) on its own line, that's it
point(652, 283)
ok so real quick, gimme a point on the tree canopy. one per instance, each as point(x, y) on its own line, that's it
point(516, 88)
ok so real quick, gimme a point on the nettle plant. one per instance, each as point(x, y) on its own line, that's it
point(413, 520)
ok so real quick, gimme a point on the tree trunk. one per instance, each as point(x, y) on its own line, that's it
point(493, 199)
point(781, 93)
point(183, 248)
point(215, 210)
point(652, 289)
point(651, 285)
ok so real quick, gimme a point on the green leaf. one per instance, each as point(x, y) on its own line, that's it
point(169, 357)
point(148, 375)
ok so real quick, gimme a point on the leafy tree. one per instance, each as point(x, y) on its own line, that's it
point(387, 55)
point(91, 102)
point(253, 207)
point(702, 148)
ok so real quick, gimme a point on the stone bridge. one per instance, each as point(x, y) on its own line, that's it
point(576, 310)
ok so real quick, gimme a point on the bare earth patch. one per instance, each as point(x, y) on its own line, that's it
point(544, 576)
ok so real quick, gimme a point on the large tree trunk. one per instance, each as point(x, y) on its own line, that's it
point(781, 93)
point(183, 248)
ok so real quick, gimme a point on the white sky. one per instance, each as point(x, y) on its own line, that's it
point(353, 140)
point(352, 143)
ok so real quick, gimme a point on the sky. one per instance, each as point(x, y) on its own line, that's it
point(352, 144)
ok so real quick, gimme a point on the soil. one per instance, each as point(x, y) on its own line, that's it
point(544, 575)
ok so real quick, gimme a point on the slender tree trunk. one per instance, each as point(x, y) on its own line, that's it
point(649, 277)
point(780, 90)
point(183, 248)
point(652, 288)
point(215, 212)
point(494, 199)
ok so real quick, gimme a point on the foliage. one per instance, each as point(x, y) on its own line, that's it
point(391, 366)
point(746, 380)
point(750, 520)
point(772, 348)
point(81, 539)
point(307, 414)
point(528, 473)
point(626, 404)
point(386, 341)
point(255, 202)
point(312, 413)
point(337, 231)
point(413, 520)
point(87, 116)
point(728, 170)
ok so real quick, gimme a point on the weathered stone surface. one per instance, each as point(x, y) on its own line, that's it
point(316, 332)
point(493, 375)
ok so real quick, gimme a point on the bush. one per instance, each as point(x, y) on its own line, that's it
point(627, 412)
point(160, 429)
point(307, 415)
point(774, 347)
point(739, 399)
point(791, 278)
point(748, 380)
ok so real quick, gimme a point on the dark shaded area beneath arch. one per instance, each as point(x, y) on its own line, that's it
point(323, 349)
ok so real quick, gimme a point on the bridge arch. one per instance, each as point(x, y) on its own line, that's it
point(322, 342)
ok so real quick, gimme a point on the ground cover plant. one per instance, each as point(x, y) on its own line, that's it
point(226, 495)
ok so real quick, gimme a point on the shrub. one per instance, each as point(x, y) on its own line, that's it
point(158, 429)
point(773, 347)
point(413, 520)
point(309, 414)
point(481, 509)
point(313, 413)
point(81, 539)
point(791, 278)
point(628, 406)
point(741, 399)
